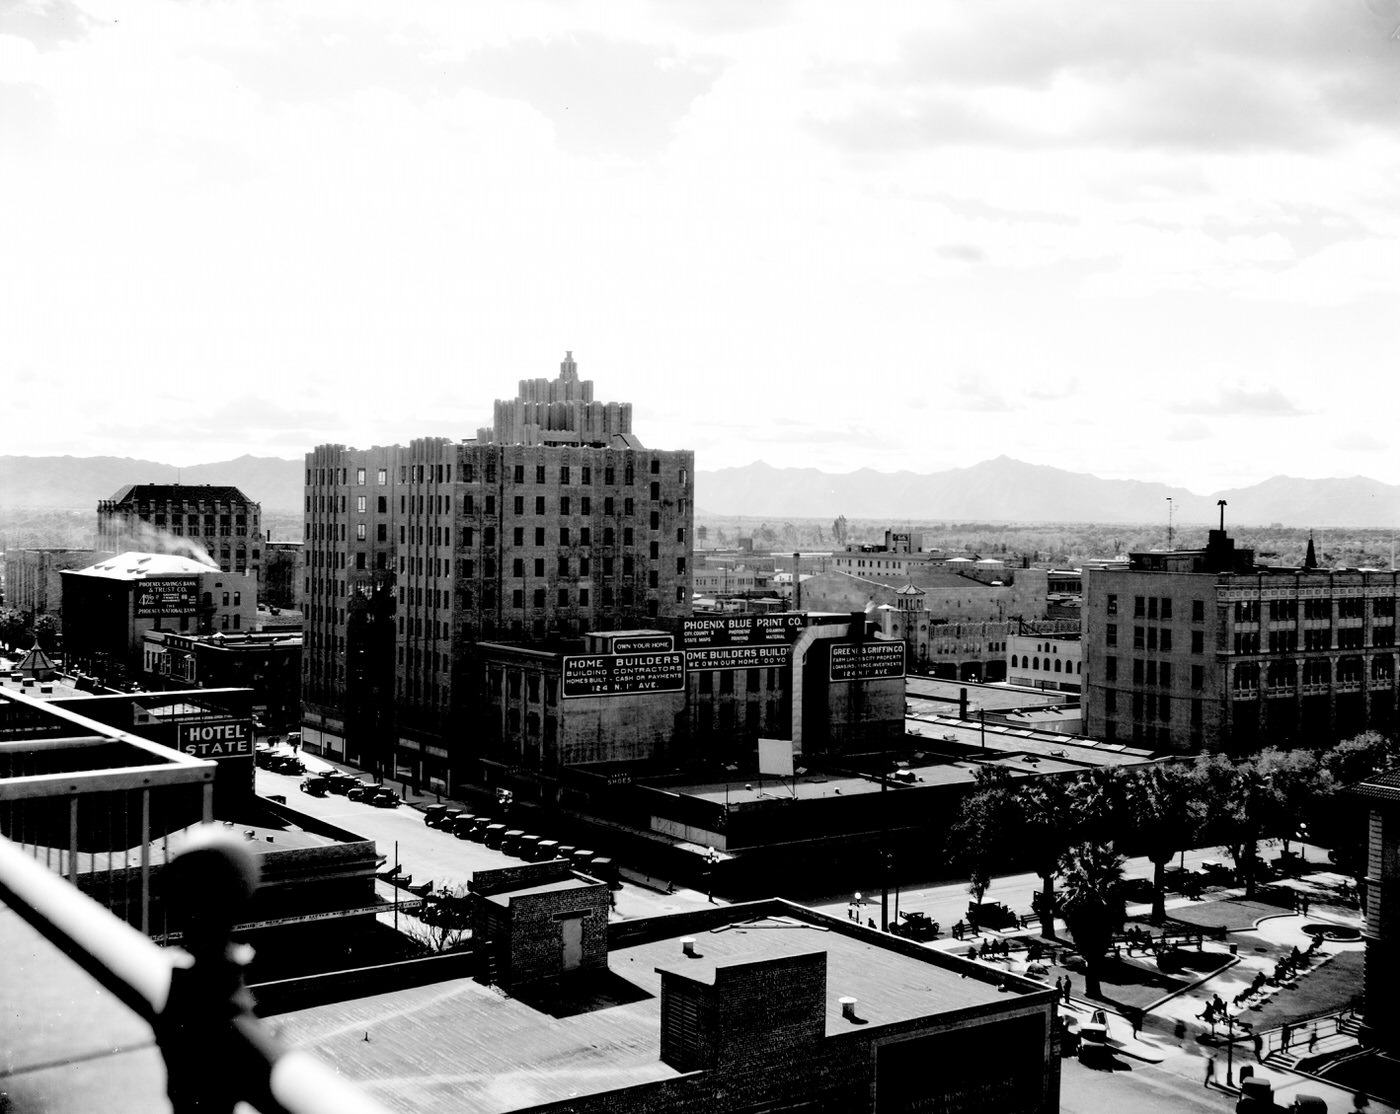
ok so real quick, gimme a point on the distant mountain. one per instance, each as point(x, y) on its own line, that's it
point(80, 482)
point(1000, 490)
point(1007, 490)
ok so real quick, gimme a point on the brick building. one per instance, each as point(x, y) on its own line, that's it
point(1205, 650)
point(111, 605)
point(761, 1006)
point(33, 580)
point(553, 522)
point(194, 519)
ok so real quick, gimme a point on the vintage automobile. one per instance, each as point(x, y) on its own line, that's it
point(382, 797)
point(287, 764)
point(440, 816)
point(342, 783)
point(914, 925)
point(991, 914)
point(361, 790)
point(317, 785)
point(1093, 1037)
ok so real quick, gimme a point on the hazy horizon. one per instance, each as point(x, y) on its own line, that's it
point(1154, 242)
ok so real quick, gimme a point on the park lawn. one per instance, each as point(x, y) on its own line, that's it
point(1327, 989)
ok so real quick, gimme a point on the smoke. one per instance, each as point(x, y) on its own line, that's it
point(146, 538)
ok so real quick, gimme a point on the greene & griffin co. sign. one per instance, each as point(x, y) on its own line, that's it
point(227, 738)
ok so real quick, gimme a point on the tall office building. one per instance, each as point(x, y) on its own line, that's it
point(552, 522)
point(1197, 650)
point(195, 520)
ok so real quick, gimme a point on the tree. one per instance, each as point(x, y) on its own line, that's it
point(1163, 816)
point(1100, 803)
point(1048, 824)
point(46, 633)
point(1237, 804)
point(444, 923)
point(1091, 902)
point(981, 836)
point(12, 627)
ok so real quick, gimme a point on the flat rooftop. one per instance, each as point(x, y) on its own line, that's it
point(459, 1046)
point(1077, 750)
point(999, 697)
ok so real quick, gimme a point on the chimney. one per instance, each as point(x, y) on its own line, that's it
point(848, 1008)
point(962, 703)
point(797, 582)
point(688, 946)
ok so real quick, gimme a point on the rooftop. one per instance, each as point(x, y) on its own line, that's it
point(139, 566)
point(223, 493)
point(467, 1048)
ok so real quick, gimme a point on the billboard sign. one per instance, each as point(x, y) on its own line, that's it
point(623, 674)
point(866, 661)
point(168, 595)
point(644, 644)
point(775, 757)
point(229, 738)
point(741, 630)
point(737, 657)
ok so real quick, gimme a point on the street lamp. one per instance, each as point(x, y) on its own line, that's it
point(711, 859)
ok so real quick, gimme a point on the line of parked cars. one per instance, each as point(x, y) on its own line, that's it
point(518, 842)
point(352, 787)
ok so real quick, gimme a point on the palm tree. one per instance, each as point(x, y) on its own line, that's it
point(1048, 822)
point(1091, 902)
point(981, 837)
point(1163, 814)
point(1100, 804)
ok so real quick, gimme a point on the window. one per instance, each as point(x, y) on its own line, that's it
point(585, 536)
point(627, 535)
point(539, 566)
point(563, 566)
point(1198, 611)
point(1110, 635)
point(539, 535)
point(360, 502)
point(1113, 605)
point(519, 505)
point(628, 506)
point(1198, 642)
point(1110, 669)
point(1165, 640)
point(381, 532)
point(1139, 607)
point(564, 535)
point(563, 504)
point(1139, 638)
point(359, 475)
point(517, 535)
point(1152, 607)
point(361, 533)
point(1198, 677)
point(383, 476)
point(518, 474)
point(563, 473)
point(539, 597)
point(517, 567)
point(1166, 609)
point(382, 504)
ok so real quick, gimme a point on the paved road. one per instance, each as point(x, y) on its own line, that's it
point(1137, 1087)
point(439, 857)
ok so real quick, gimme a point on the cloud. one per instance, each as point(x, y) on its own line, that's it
point(1188, 431)
point(1240, 400)
point(976, 393)
point(1360, 441)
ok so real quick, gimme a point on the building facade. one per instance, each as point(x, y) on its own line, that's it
point(1196, 650)
point(33, 580)
point(554, 522)
point(1046, 662)
point(199, 520)
point(110, 606)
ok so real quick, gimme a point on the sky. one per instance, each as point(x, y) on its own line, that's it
point(1145, 239)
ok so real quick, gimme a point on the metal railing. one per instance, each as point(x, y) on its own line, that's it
point(217, 1053)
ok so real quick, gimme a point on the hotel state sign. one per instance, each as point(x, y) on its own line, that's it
point(215, 738)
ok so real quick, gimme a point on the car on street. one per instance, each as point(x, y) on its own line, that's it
point(316, 785)
point(383, 797)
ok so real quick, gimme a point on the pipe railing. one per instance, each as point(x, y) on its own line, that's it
point(217, 1053)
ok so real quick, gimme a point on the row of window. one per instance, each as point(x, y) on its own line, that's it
point(442, 473)
point(1035, 663)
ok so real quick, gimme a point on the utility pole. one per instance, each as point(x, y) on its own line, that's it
point(1170, 507)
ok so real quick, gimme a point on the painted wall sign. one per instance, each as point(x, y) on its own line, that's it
point(170, 595)
point(737, 657)
point(623, 674)
point(866, 661)
point(739, 630)
point(644, 644)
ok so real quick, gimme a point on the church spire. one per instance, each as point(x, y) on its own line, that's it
point(1310, 561)
point(568, 370)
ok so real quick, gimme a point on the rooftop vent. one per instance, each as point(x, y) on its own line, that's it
point(848, 1008)
point(688, 946)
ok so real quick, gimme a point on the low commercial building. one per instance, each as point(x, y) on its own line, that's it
point(269, 664)
point(111, 605)
point(748, 1007)
point(216, 522)
point(1046, 661)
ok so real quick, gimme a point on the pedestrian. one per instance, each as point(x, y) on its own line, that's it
point(1312, 1039)
point(1210, 1071)
point(1258, 1048)
point(1359, 1101)
point(1067, 989)
point(1286, 1036)
point(1306, 902)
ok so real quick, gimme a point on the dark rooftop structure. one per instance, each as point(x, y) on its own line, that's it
point(728, 1008)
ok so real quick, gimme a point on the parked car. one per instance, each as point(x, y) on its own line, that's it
point(383, 797)
point(361, 790)
point(316, 785)
point(991, 914)
point(915, 926)
point(342, 783)
point(440, 816)
point(1093, 1036)
point(287, 764)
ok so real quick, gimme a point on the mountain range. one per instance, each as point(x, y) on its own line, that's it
point(1000, 490)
